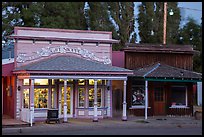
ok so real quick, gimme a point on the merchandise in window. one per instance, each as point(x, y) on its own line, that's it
point(26, 98)
point(138, 95)
point(91, 97)
point(40, 97)
point(81, 92)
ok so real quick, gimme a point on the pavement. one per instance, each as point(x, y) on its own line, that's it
point(75, 124)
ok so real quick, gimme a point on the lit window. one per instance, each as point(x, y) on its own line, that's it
point(91, 97)
point(26, 98)
point(41, 82)
point(40, 97)
point(26, 82)
point(91, 82)
point(178, 96)
point(81, 92)
point(81, 82)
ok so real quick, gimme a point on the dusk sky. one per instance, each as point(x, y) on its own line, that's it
point(188, 9)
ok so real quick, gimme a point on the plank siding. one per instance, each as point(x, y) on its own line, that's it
point(137, 60)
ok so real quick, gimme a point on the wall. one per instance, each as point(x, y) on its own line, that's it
point(135, 60)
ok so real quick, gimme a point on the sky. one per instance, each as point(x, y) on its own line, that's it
point(187, 10)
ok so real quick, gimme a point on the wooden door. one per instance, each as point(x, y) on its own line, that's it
point(159, 101)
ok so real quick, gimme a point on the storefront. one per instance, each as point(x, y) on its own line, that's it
point(64, 69)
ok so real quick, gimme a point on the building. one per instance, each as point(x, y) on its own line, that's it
point(163, 80)
point(62, 69)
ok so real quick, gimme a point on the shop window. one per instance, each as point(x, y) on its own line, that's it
point(178, 96)
point(91, 82)
point(81, 92)
point(26, 82)
point(40, 97)
point(41, 82)
point(138, 95)
point(26, 98)
point(81, 82)
point(68, 80)
point(91, 97)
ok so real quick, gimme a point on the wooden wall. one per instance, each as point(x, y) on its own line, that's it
point(135, 60)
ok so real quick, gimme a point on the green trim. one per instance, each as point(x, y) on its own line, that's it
point(172, 80)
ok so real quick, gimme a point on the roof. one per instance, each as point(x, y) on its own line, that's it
point(7, 69)
point(158, 48)
point(159, 70)
point(71, 64)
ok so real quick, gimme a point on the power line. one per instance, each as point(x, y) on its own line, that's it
point(190, 9)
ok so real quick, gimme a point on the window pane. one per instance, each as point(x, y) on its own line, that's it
point(41, 81)
point(53, 92)
point(91, 97)
point(138, 95)
point(81, 96)
point(40, 97)
point(81, 82)
point(99, 92)
point(91, 82)
point(26, 82)
point(26, 98)
point(178, 95)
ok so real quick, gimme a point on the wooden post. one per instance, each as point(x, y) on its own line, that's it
point(31, 101)
point(65, 100)
point(165, 19)
point(124, 117)
point(95, 119)
point(146, 98)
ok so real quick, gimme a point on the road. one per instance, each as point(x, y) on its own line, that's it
point(106, 131)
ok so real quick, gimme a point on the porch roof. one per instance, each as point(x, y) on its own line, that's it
point(162, 71)
point(71, 65)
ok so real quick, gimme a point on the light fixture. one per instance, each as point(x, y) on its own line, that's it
point(171, 12)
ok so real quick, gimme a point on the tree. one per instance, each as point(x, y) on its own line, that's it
point(191, 34)
point(151, 20)
point(122, 14)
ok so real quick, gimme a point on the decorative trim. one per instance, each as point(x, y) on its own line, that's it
point(45, 52)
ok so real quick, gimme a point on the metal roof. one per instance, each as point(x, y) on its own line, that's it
point(161, 70)
point(71, 64)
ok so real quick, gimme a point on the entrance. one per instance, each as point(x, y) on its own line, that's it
point(69, 101)
point(159, 101)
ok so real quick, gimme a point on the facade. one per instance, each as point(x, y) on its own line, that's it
point(64, 70)
point(163, 80)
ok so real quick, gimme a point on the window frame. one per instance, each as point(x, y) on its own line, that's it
point(186, 98)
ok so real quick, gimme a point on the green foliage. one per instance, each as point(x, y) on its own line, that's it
point(151, 19)
point(191, 34)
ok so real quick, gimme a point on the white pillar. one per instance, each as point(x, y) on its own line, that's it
point(31, 101)
point(124, 117)
point(108, 99)
point(55, 95)
point(95, 118)
point(146, 98)
point(49, 93)
point(65, 100)
point(199, 93)
point(18, 98)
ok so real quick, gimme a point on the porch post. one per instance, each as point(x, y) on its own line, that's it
point(95, 119)
point(18, 98)
point(65, 100)
point(31, 101)
point(124, 118)
point(146, 98)
point(49, 93)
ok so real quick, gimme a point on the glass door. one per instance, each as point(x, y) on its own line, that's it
point(69, 101)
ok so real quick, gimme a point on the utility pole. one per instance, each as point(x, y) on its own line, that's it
point(165, 18)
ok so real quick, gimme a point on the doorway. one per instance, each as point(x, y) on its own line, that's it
point(69, 101)
point(159, 101)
